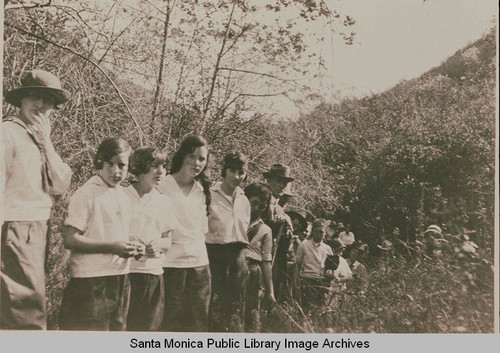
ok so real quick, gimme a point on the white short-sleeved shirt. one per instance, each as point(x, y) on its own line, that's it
point(311, 258)
point(23, 196)
point(229, 216)
point(101, 213)
point(343, 271)
point(151, 217)
point(260, 246)
point(347, 238)
point(188, 238)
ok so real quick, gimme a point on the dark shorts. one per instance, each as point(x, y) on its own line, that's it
point(187, 296)
point(147, 298)
point(95, 304)
point(23, 254)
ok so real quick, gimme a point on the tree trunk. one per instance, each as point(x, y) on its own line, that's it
point(159, 81)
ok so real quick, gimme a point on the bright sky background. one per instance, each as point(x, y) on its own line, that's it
point(401, 39)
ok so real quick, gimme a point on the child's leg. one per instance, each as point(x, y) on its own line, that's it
point(174, 317)
point(118, 290)
point(252, 298)
point(95, 304)
point(238, 273)
point(146, 302)
point(198, 288)
point(84, 306)
point(218, 257)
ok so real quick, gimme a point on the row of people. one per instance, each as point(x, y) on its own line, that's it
point(170, 252)
point(105, 226)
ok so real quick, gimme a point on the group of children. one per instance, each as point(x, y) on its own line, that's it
point(172, 252)
point(168, 252)
point(161, 252)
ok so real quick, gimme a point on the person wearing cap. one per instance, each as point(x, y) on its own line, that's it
point(311, 257)
point(434, 240)
point(226, 238)
point(278, 177)
point(32, 172)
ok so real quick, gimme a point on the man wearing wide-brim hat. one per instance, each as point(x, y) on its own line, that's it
point(31, 171)
point(277, 177)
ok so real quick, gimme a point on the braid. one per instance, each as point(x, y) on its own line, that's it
point(206, 183)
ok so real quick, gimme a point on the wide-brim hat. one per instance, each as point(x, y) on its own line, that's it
point(299, 215)
point(434, 229)
point(278, 170)
point(38, 81)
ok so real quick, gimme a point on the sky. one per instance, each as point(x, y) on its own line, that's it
point(401, 39)
point(395, 40)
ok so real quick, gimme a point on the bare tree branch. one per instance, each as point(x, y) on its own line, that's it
point(25, 6)
point(216, 68)
point(159, 81)
point(141, 133)
point(258, 73)
point(114, 40)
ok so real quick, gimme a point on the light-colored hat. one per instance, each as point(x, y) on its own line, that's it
point(38, 81)
point(434, 229)
point(386, 245)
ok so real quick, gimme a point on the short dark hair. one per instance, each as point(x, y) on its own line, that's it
point(109, 148)
point(336, 244)
point(262, 191)
point(144, 157)
point(234, 160)
point(319, 222)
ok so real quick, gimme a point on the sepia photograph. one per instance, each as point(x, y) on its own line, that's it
point(249, 166)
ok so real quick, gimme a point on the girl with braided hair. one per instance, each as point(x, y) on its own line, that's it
point(186, 271)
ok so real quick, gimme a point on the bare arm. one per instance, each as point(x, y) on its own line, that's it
point(74, 240)
point(268, 281)
point(267, 275)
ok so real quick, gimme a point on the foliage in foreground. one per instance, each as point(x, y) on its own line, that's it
point(447, 293)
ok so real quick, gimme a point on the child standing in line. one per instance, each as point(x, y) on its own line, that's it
point(226, 239)
point(186, 271)
point(151, 224)
point(258, 255)
point(97, 230)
